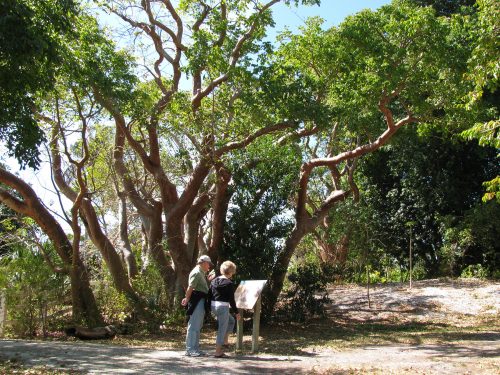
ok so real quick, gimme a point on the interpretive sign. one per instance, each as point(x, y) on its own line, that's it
point(248, 292)
point(248, 297)
point(3, 312)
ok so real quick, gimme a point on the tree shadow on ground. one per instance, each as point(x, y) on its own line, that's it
point(298, 339)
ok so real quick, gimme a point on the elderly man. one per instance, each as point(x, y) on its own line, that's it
point(196, 295)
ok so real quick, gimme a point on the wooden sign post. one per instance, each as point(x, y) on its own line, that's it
point(3, 312)
point(248, 296)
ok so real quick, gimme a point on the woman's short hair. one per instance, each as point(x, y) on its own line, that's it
point(228, 268)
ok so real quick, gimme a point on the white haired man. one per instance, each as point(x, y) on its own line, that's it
point(195, 299)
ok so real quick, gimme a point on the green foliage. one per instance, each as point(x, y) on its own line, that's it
point(423, 180)
point(390, 274)
point(486, 133)
point(263, 178)
point(112, 304)
point(306, 294)
point(31, 34)
point(474, 238)
point(492, 190)
point(116, 308)
point(157, 299)
point(455, 243)
point(484, 64)
point(399, 48)
point(474, 271)
point(446, 7)
point(37, 298)
point(484, 72)
point(96, 63)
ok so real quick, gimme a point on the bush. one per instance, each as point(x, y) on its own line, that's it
point(116, 309)
point(474, 271)
point(306, 294)
point(112, 304)
point(35, 295)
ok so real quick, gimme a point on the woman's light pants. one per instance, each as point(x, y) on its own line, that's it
point(225, 322)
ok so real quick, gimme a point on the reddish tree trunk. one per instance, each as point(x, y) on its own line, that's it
point(83, 301)
point(126, 249)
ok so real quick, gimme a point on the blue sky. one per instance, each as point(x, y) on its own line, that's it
point(332, 11)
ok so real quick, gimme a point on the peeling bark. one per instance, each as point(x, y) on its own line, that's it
point(83, 301)
point(306, 222)
point(126, 249)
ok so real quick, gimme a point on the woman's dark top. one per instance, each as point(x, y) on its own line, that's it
point(222, 290)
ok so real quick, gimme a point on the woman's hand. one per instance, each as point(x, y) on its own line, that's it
point(184, 302)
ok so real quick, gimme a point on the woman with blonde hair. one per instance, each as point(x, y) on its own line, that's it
point(222, 294)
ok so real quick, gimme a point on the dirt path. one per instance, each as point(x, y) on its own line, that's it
point(455, 303)
point(464, 358)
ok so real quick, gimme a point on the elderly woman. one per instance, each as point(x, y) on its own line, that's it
point(222, 291)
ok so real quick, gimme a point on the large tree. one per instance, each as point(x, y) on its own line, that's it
point(175, 140)
point(26, 202)
point(183, 138)
point(378, 71)
point(161, 134)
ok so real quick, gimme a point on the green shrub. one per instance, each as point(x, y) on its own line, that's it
point(35, 295)
point(306, 293)
point(474, 271)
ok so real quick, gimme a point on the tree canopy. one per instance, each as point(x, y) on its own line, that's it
point(31, 40)
point(191, 134)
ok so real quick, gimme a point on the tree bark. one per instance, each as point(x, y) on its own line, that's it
point(84, 305)
point(192, 226)
point(220, 206)
point(126, 249)
point(305, 222)
point(99, 239)
point(155, 240)
point(150, 213)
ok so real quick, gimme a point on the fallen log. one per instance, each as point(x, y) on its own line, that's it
point(97, 333)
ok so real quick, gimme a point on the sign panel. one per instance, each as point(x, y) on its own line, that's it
point(248, 292)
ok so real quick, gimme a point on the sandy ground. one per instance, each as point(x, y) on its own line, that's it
point(453, 302)
point(428, 300)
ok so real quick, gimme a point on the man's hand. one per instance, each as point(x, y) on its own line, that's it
point(211, 275)
point(185, 300)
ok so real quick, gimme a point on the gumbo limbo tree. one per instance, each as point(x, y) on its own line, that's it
point(169, 144)
point(375, 73)
point(151, 140)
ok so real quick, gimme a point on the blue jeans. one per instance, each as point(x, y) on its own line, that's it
point(225, 323)
point(194, 327)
